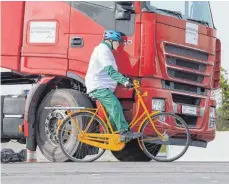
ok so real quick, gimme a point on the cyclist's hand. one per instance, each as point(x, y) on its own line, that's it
point(129, 84)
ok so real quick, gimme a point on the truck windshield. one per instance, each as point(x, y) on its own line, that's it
point(197, 11)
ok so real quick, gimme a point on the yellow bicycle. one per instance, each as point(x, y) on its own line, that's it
point(84, 136)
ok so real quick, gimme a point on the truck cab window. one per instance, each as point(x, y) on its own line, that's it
point(197, 10)
point(122, 25)
point(103, 12)
point(100, 12)
point(105, 4)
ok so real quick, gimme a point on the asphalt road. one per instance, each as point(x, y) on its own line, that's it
point(116, 173)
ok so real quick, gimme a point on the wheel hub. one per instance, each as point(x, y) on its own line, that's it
point(51, 124)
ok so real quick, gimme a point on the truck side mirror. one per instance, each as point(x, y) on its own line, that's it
point(125, 3)
point(124, 10)
point(122, 15)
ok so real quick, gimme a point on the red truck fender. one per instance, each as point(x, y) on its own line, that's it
point(33, 99)
point(32, 102)
point(78, 77)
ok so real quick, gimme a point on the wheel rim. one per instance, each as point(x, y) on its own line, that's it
point(176, 136)
point(83, 152)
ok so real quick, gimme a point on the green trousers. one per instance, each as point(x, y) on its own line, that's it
point(113, 107)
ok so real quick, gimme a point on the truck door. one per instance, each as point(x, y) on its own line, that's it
point(45, 39)
point(88, 21)
point(11, 34)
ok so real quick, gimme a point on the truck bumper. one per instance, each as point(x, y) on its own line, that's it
point(175, 102)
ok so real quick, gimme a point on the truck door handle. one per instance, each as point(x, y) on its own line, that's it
point(76, 42)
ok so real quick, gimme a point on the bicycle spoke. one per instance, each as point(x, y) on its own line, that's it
point(82, 152)
point(169, 141)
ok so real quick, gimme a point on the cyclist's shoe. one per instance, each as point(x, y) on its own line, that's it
point(126, 135)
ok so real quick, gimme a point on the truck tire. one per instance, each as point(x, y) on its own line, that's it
point(131, 153)
point(64, 97)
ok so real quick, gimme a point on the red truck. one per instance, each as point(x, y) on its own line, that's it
point(170, 47)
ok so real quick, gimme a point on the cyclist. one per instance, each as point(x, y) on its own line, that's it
point(102, 78)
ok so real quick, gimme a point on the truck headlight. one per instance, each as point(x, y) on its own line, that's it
point(212, 112)
point(158, 104)
point(212, 117)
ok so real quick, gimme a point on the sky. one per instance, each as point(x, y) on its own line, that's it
point(220, 13)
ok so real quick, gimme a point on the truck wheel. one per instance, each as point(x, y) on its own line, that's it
point(132, 153)
point(46, 122)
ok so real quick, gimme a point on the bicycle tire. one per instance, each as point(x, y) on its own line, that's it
point(163, 159)
point(60, 137)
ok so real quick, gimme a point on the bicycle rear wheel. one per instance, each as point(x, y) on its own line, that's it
point(175, 141)
point(68, 134)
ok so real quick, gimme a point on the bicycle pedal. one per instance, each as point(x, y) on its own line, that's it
point(124, 139)
point(128, 139)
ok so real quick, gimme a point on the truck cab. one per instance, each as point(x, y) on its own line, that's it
point(170, 47)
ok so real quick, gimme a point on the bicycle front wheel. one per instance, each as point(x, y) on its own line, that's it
point(168, 141)
point(68, 135)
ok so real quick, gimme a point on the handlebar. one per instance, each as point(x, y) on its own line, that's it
point(138, 93)
point(136, 84)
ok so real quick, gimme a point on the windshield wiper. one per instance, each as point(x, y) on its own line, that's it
point(178, 14)
point(199, 21)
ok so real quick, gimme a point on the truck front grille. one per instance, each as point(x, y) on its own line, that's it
point(185, 75)
point(186, 52)
point(183, 87)
point(185, 63)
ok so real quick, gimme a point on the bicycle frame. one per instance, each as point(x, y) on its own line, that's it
point(115, 144)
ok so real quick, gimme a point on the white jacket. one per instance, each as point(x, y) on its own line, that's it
point(96, 77)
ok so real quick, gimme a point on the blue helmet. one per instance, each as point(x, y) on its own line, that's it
point(112, 35)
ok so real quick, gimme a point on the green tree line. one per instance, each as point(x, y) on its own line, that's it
point(222, 119)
